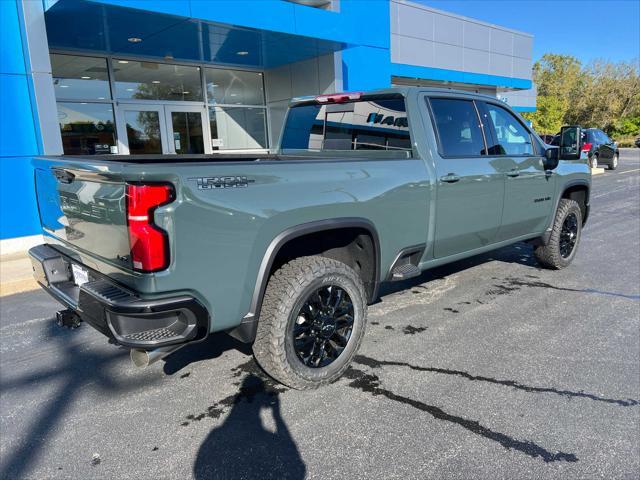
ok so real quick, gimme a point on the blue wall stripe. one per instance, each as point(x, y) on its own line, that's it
point(429, 73)
point(524, 109)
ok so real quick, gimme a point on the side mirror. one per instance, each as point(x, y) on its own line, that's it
point(570, 142)
point(551, 158)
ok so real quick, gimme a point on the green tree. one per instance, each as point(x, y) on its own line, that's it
point(549, 115)
point(559, 79)
point(602, 94)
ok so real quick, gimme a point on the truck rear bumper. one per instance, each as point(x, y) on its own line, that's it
point(116, 311)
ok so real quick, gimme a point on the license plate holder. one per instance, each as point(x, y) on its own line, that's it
point(80, 275)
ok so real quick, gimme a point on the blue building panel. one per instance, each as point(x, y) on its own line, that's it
point(271, 15)
point(171, 7)
point(18, 134)
point(17, 130)
point(19, 215)
point(134, 16)
point(11, 60)
point(365, 68)
point(369, 20)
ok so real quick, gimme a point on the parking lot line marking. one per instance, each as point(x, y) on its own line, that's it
point(629, 171)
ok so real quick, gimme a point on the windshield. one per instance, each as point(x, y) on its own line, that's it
point(373, 124)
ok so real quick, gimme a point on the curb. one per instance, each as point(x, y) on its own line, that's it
point(16, 274)
point(18, 286)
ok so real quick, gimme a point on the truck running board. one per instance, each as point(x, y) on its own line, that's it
point(405, 265)
point(403, 272)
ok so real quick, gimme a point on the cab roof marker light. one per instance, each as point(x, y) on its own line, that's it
point(339, 97)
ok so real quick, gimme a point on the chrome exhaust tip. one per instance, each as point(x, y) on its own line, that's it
point(143, 358)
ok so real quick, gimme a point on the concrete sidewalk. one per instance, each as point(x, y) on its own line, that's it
point(16, 274)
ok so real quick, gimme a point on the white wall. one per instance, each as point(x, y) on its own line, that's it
point(519, 98)
point(309, 77)
point(424, 36)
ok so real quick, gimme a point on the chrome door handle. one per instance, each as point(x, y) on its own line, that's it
point(513, 173)
point(450, 178)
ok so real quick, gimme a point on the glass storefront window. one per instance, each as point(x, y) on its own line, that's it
point(86, 128)
point(82, 78)
point(156, 81)
point(234, 87)
point(238, 128)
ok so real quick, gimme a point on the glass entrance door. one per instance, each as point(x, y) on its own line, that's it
point(187, 129)
point(163, 129)
point(141, 130)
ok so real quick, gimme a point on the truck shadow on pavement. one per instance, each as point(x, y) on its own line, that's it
point(214, 346)
point(78, 370)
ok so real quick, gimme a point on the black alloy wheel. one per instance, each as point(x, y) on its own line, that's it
point(323, 326)
point(312, 321)
point(568, 235)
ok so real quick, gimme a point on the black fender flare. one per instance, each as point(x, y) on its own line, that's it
point(246, 331)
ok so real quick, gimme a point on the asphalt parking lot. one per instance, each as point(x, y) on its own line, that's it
point(487, 368)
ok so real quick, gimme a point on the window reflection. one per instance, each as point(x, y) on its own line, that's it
point(187, 132)
point(511, 136)
point(238, 128)
point(380, 124)
point(156, 81)
point(83, 78)
point(86, 128)
point(234, 87)
point(143, 132)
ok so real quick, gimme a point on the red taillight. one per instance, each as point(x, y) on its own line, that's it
point(339, 97)
point(586, 147)
point(149, 244)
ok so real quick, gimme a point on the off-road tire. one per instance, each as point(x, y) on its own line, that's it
point(593, 163)
point(549, 255)
point(287, 290)
point(614, 161)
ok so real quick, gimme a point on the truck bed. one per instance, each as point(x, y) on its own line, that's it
point(226, 157)
point(189, 158)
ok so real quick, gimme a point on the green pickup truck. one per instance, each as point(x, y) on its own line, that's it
point(285, 250)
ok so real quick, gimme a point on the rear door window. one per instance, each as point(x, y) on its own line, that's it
point(510, 137)
point(458, 127)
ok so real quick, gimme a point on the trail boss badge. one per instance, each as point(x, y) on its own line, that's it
point(209, 183)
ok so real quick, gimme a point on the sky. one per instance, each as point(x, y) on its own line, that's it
point(586, 29)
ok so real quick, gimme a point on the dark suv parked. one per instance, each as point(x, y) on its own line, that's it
point(599, 148)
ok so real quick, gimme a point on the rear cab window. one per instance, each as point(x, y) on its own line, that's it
point(373, 123)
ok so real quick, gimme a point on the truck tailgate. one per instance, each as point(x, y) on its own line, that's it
point(85, 209)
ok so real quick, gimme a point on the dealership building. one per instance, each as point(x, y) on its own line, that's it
point(86, 77)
